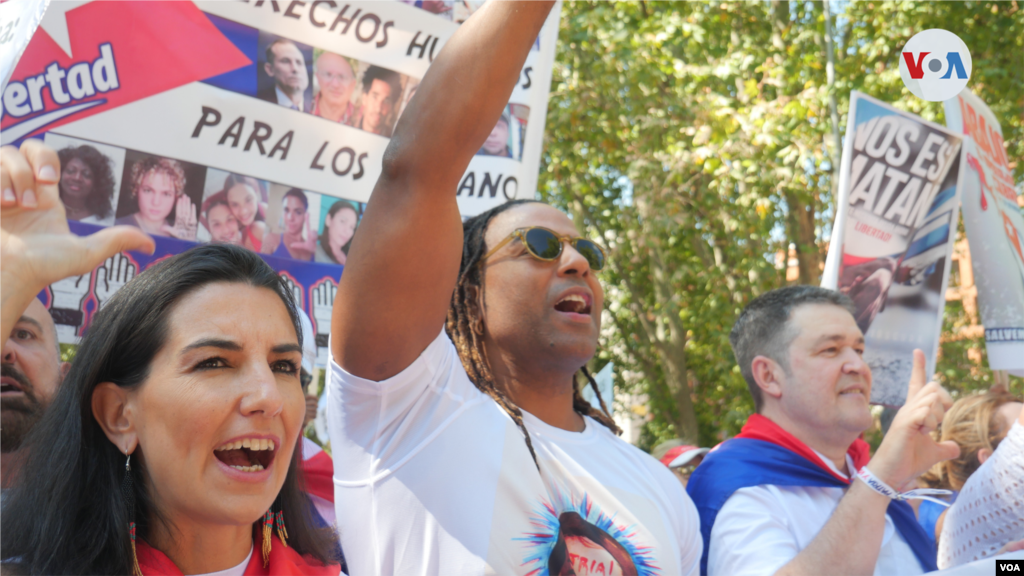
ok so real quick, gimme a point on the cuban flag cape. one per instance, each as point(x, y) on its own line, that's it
point(764, 453)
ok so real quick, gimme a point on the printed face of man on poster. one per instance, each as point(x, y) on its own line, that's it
point(381, 89)
point(285, 65)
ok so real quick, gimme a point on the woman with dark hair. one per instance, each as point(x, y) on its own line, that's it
point(86, 185)
point(339, 228)
point(297, 241)
point(170, 447)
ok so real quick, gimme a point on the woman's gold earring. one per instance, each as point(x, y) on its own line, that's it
point(128, 490)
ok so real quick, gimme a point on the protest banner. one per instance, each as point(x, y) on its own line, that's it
point(896, 218)
point(258, 123)
point(18, 21)
point(995, 230)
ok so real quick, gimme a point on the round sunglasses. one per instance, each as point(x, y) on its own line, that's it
point(546, 245)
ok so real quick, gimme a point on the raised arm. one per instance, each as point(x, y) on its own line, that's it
point(36, 247)
point(403, 264)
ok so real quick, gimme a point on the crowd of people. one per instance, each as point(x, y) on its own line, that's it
point(460, 439)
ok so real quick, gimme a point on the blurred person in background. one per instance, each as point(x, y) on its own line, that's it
point(30, 371)
point(987, 518)
point(680, 458)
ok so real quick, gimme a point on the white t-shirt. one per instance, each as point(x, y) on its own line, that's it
point(433, 477)
point(761, 528)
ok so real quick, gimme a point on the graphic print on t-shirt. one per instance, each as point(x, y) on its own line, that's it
point(571, 536)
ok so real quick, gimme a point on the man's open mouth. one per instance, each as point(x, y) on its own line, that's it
point(248, 454)
point(575, 303)
point(9, 384)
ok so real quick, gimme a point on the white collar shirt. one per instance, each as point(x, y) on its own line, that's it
point(284, 100)
point(761, 528)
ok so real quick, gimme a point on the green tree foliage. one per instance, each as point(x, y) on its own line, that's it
point(695, 140)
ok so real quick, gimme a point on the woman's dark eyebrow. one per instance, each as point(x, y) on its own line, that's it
point(212, 343)
point(282, 348)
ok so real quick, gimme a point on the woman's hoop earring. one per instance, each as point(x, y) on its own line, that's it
point(128, 490)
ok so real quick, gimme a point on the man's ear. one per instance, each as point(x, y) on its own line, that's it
point(768, 375)
point(113, 411)
point(65, 367)
point(269, 69)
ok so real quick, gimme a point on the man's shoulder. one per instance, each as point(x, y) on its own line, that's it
point(267, 93)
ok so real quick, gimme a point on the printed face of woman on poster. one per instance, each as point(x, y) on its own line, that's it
point(86, 184)
point(297, 241)
point(337, 82)
point(339, 228)
point(158, 186)
point(222, 224)
point(244, 202)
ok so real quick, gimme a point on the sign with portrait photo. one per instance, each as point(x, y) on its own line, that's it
point(257, 123)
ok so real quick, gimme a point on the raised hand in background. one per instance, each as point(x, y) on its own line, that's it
point(67, 306)
point(323, 302)
point(111, 276)
point(36, 246)
point(186, 222)
point(294, 288)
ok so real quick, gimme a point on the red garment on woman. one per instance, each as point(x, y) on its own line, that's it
point(284, 561)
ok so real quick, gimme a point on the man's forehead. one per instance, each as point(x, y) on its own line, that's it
point(527, 215)
point(825, 321)
point(38, 314)
point(286, 48)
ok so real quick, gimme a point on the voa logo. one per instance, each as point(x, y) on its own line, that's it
point(935, 65)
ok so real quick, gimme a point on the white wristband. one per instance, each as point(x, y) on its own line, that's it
point(884, 489)
point(877, 485)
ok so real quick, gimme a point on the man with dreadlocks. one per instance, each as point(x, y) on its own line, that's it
point(461, 442)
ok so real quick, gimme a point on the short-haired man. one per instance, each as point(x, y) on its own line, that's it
point(286, 66)
point(33, 225)
point(472, 449)
point(381, 89)
point(30, 370)
point(781, 497)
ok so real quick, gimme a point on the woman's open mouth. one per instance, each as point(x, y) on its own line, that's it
point(247, 454)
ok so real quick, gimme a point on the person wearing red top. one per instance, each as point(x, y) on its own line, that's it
point(171, 446)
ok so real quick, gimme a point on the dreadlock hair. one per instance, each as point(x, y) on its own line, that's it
point(465, 327)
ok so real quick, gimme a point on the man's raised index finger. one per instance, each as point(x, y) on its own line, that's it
point(917, 376)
